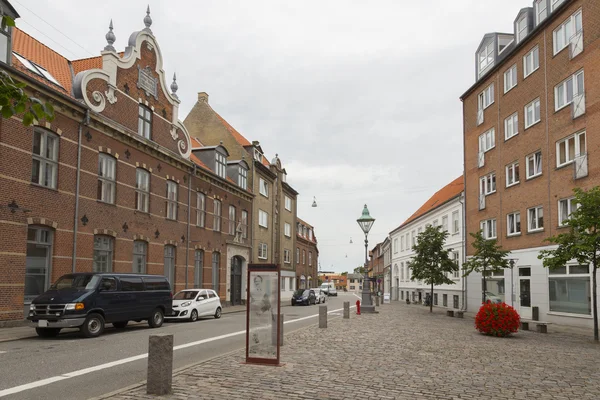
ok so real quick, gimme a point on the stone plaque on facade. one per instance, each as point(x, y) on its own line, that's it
point(147, 82)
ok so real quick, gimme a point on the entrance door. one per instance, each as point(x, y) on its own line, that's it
point(236, 281)
point(37, 263)
point(525, 292)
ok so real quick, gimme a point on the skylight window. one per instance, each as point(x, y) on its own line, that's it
point(36, 69)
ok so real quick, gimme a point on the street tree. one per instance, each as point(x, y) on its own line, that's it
point(431, 262)
point(581, 242)
point(488, 257)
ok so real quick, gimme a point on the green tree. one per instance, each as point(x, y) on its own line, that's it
point(360, 270)
point(344, 273)
point(431, 262)
point(581, 242)
point(488, 257)
point(13, 99)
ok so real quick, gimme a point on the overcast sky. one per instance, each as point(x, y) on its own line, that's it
point(359, 99)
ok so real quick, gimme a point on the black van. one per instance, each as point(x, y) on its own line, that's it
point(89, 300)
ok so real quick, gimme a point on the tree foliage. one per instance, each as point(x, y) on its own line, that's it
point(581, 242)
point(431, 262)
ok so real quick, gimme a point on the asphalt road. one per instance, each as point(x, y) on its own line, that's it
point(70, 367)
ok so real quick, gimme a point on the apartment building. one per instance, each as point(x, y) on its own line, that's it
point(354, 284)
point(307, 255)
point(376, 265)
point(529, 121)
point(386, 248)
point(114, 182)
point(445, 209)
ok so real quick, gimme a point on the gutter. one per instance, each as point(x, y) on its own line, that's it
point(189, 214)
point(84, 122)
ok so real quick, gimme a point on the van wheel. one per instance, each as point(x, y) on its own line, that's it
point(47, 332)
point(120, 324)
point(157, 318)
point(218, 313)
point(93, 326)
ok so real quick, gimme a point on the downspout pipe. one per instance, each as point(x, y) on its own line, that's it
point(84, 122)
point(464, 251)
point(189, 214)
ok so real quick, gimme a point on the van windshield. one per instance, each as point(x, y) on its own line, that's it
point(79, 282)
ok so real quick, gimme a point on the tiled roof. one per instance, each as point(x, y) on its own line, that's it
point(446, 193)
point(239, 137)
point(85, 64)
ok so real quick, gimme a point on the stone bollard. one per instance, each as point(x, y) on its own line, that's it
point(377, 301)
point(322, 316)
point(160, 364)
point(449, 313)
point(542, 328)
point(524, 326)
point(274, 331)
point(460, 314)
point(346, 310)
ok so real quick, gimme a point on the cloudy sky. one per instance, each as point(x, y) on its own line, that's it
point(359, 99)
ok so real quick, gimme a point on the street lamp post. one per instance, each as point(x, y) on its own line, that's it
point(366, 222)
point(512, 262)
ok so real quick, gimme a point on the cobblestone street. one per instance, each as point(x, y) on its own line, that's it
point(402, 353)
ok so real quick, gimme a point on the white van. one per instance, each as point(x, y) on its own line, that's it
point(329, 288)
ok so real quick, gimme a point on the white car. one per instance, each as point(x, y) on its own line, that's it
point(321, 297)
point(190, 304)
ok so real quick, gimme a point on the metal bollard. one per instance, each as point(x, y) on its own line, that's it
point(346, 310)
point(377, 301)
point(322, 316)
point(160, 364)
point(274, 331)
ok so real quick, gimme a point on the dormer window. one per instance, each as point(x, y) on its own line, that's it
point(35, 68)
point(221, 165)
point(555, 4)
point(145, 122)
point(522, 28)
point(257, 155)
point(486, 57)
point(541, 10)
point(243, 177)
point(5, 44)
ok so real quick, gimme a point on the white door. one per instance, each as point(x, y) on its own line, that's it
point(213, 302)
point(202, 303)
point(525, 292)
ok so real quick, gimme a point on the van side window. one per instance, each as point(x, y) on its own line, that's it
point(156, 283)
point(131, 284)
point(108, 284)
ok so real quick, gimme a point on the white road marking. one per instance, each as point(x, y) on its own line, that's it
point(2, 352)
point(47, 381)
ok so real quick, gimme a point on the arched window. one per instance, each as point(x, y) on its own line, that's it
point(216, 262)
point(198, 266)
point(103, 253)
point(107, 167)
point(140, 249)
point(170, 265)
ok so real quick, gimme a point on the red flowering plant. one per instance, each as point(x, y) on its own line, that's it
point(497, 319)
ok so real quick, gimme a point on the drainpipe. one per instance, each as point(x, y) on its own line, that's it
point(189, 214)
point(84, 122)
point(464, 252)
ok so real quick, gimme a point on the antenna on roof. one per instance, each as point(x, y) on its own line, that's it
point(110, 38)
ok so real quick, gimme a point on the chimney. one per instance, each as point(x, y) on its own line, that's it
point(203, 97)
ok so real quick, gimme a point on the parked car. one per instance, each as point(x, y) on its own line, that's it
point(329, 288)
point(191, 304)
point(489, 296)
point(304, 296)
point(321, 297)
point(88, 301)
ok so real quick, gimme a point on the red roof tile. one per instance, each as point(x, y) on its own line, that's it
point(238, 136)
point(85, 64)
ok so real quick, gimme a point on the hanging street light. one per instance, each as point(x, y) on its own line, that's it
point(314, 204)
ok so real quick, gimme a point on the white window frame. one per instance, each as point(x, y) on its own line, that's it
point(566, 30)
point(413, 239)
point(107, 182)
point(485, 58)
point(564, 99)
point(200, 209)
point(513, 224)
point(456, 259)
point(486, 97)
point(232, 213)
point(309, 258)
point(534, 215)
point(140, 252)
point(554, 4)
point(47, 161)
point(513, 171)
point(511, 126)
point(172, 189)
point(540, 12)
point(510, 78)
point(263, 219)
point(144, 121)
point(533, 105)
point(288, 203)
point(445, 223)
point(537, 170)
point(221, 165)
point(262, 251)
point(531, 62)
point(288, 230)
point(489, 228)
point(455, 222)
point(244, 224)
point(487, 140)
point(142, 190)
point(487, 184)
point(576, 137)
point(243, 178)
point(570, 205)
point(217, 208)
point(522, 31)
point(286, 256)
point(263, 187)
point(103, 246)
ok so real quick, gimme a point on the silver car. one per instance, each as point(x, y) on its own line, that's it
point(321, 297)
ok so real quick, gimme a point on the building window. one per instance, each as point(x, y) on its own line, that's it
point(486, 58)
point(288, 230)
point(139, 256)
point(435, 299)
point(231, 220)
point(5, 41)
point(487, 184)
point(455, 301)
point(567, 90)
point(38, 262)
point(200, 210)
point(297, 255)
point(171, 200)
point(486, 98)
point(262, 251)
point(510, 78)
point(511, 126)
point(541, 10)
point(169, 261)
point(244, 224)
point(535, 219)
point(142, 190)
point(286, 256)
point(103, 254)
point(107, 166)
point(217, 215)
point(522, 28)
point(488, 228)
point(562, 35)
point(455, 258)
point(216, 263)
point(487, 140)
point(303, 257)
point(288, 203)
point(198, 268)
point(512, 174)
point(45, 158)
point(221, 165)
point(555, 4)
point(145, 122)
point(445, 300)
point(532, 113)
point(413, 238)
point(534, 165)
point(568, 149)
point(531, 62)
point(263, 219)
point(263, 187)
point(30, 65)
point(513, 221)
point(455, 224)
point(401, 244)
point(402, 271)
point(445, 223)
point(565, 208)
point(570, 290)
point(243, 178)
point(310, 258)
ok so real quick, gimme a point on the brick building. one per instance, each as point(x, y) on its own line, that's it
point(114, 182)
point(376, 265)
point(529, 123)
point(307, 255)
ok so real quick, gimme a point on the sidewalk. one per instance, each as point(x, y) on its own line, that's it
point(401, 353)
